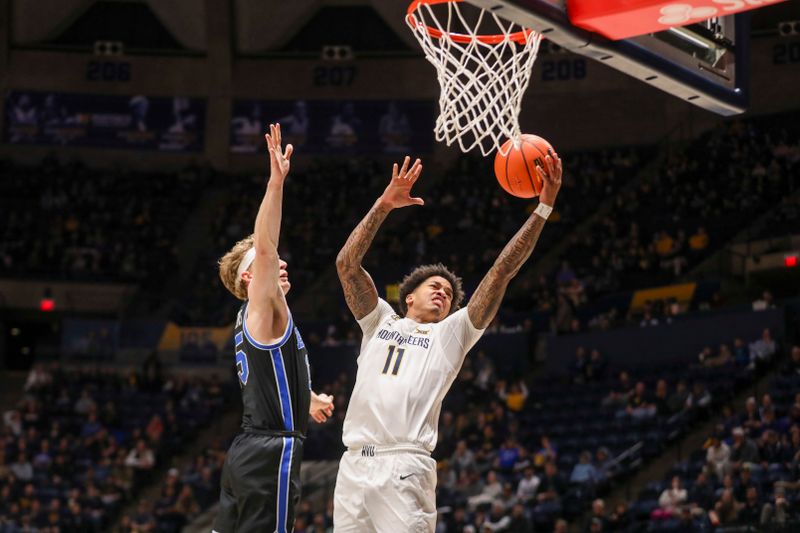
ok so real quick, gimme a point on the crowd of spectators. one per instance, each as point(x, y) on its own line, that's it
point(183, 495)
point(81, 443)
point(702, 196)
point(67, 221)
point(745, 478)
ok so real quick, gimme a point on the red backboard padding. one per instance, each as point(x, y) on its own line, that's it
point(621, 19)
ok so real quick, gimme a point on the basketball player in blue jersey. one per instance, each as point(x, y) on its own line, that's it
point(261, 475)
point(387, 478)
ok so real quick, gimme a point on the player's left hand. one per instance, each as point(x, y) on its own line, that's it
point(551, 179)
point(279, 159)
point(321, 407)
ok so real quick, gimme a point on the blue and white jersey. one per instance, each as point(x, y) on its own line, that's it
point(274, 378)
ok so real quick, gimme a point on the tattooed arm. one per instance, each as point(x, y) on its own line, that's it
point(359, 289)
point(486, 300)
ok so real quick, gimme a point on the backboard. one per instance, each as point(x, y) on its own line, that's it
point(705, 63)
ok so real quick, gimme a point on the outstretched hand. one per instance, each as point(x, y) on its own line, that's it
point(321, 407)
point(398, 192)
point(551, 179)
point(279, 159)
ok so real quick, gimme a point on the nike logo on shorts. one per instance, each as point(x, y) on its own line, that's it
point(405, 477)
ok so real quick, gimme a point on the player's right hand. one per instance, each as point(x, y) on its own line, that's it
point(279, 160)
point(398, 192)
point(551, 179)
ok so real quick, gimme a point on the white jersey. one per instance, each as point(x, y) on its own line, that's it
point(404, 371)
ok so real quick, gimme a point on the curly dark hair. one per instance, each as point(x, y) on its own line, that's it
point(418, 276)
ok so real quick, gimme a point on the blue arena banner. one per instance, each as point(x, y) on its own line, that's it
point(336, 127)
point(88, 339)
point(105, 121)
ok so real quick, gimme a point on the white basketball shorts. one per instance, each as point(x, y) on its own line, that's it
point(385, 489)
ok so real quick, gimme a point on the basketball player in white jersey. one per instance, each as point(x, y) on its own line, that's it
point(387, 479)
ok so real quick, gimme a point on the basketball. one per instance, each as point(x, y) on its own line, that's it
point(516, 171)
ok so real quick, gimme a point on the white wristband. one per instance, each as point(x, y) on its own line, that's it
point(543, 210)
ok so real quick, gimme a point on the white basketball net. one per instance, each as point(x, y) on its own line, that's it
point(481, 83)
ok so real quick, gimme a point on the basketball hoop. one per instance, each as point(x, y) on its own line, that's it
point(483, 66)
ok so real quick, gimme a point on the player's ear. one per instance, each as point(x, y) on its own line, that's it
point(409, 300)
point(247, 277)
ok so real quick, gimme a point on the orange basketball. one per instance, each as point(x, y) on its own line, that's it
point(516, 171)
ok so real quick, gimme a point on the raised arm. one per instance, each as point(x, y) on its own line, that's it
point(359, 289)
point(486, 300)
point(267, 311)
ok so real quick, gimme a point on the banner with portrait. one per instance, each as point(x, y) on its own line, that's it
point(141, 122)
point(336, 127)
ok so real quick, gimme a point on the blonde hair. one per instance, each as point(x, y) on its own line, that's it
point(229, 265)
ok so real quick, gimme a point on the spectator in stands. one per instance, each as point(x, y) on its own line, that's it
point(497, 520)
point(154, 430)
point(490, 492)
point(765, 302)
point(741, 355)
point(689, 521)
point(744, 483)
point(776, 513)
point(528, 485)
point(698, 242)
point(792, 367)
point(22, 468)
point(463, 459)
point(700, 399)
point(515, 396)
point(595, 369)
point(561, 526)
point(143, 521)
point(750, 513)
point(141, 459)
point(771, 448)
point(702, 492)
point(744, 450)
point(724, 357)
point(752, 418)
point(670, 501)
point(551, 489)
point(597, 520)
point(38, 378)
point(604, 464)
point(678, 400)
point(186, 504)
point(620, 519)
point(718, 456)
point(639, 404)
point(705, 355)
point(85, 403)
point(508, 454)
point(546, 453)
point(726, 510)
point(762, 350)
point(621, 391)
point(13, 422)
point(584, 472)
point(519, 520)
point(661, 399)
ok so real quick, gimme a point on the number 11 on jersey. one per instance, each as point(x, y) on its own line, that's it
point(398, 360)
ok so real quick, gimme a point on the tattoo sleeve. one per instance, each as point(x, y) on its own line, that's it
point(359, 289)
point(486, 300)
